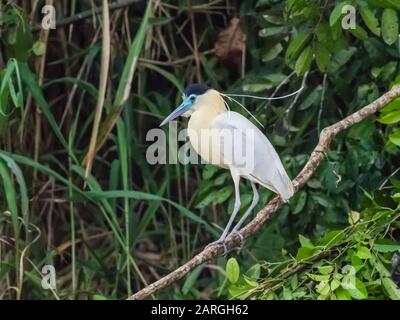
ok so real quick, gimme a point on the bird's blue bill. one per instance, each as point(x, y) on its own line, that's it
point(185, 106)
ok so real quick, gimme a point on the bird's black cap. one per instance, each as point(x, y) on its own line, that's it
point(196, 88)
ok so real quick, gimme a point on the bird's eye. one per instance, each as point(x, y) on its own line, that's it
point(192, 98)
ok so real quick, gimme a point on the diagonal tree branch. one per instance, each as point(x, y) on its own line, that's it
point(264, 214)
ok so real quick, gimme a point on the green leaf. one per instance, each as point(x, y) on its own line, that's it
point(237, 291)
point(322, 57)
point(275, 78)
point(254, 272)
point(287, 294)
point(386, 245)
point(7, 86)
point(271, 31)
point(273, 19)
point(354, 216)
point(209, 171)
point(336, 14)
point(223, 194)
point(363, 252)
point(335, 284)
point(340, 58)
point(323, 200)
point(272, 53)
point(99, 297)
point(325, 35)
point(296, 44)
point(375, 72)
point(305, 242)
point(294, 282)
point(390, 118)
point(12, 37)
point(370, 20)
point(318, 277)
point(215, 197)
point(304, 253)
point(232, 270)
point(323, 287)
point(250, 282)
point(304, 61)
point(394, 4)
point(356, 263)
point(391, 288)
point(395, 137)
point(359, 292)
point(19, 38)
point(10, 193)
point(220, 179)
point(39, 48)
point(312, 99)
point(390, 26)
point(342, 294)
point(388, 70)
point(325, 269)
point(23, 192)
point(379, 266)
point(331, 238)
point(298, 202)
point(29, 79)
point(359, 33)
point(391, 106)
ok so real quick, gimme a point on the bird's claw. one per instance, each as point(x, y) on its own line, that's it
point(241, 239)
point(239, 234)
point(222, 241)
point(219, 241)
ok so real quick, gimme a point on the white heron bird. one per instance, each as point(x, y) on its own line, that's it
point(218, 135)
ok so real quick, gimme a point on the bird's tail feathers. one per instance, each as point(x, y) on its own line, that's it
point(286, 189)
point(282, 186)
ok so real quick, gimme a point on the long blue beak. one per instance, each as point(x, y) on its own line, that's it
point(185, 106)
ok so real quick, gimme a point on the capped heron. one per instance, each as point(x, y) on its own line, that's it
point(218, 135)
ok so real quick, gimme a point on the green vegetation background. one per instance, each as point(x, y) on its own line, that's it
point(130, 222)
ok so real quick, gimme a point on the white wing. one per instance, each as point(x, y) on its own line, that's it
point(247, 143)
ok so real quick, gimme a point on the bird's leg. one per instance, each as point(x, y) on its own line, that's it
point(236, 207)
point(248, 211)
point(236, 179)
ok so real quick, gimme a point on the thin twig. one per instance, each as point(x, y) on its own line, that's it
point(303, 86)
point(177, 61)
point(388, 178)
point(265, 214)
point(195, 47)
point(88, 13)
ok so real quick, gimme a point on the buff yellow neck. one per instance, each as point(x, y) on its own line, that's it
point(207, 107)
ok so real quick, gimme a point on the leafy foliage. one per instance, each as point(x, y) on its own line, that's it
point(356, 262)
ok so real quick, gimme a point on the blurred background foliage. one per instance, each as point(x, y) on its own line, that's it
point(130, 222)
